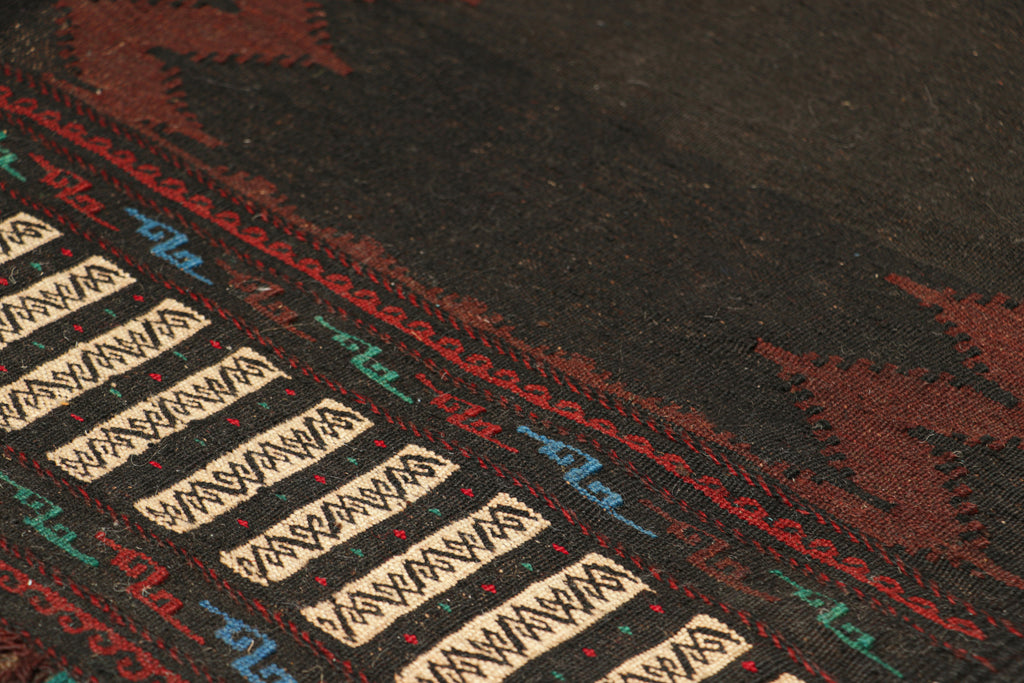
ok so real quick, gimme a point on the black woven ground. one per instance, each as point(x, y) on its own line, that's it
point(467, 341)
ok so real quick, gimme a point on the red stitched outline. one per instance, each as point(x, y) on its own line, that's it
point(630, 466)
point(54, 91)
point(631, 469)
point(49, 651)
point(254, 605)
point(101, 603)
point(618, 406)
point(821, 519)
point(779, 492)
point(822, 578)
point(142, 655)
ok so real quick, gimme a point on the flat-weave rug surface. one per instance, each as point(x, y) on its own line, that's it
point(461, 341)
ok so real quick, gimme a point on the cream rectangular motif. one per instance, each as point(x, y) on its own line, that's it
point(367, 606)
point(700, 649)
point(352, 508)
point(22, 233)
point(91, 363)
point(54, 297)
point(110, 444)
point(497, 643)
point(264, 460)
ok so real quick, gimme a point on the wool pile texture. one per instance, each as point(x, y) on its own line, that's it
point(458, 341)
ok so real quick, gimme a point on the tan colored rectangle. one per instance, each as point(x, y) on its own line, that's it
point(367, 606)
point(22, 233)
point(110, 444)
point(350, 509)
point(497, 643)
point(91, 363)
point(699, 650)
point(264, 460)
point(54, 297)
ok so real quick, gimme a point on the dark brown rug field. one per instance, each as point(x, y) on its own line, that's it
point(451, 341)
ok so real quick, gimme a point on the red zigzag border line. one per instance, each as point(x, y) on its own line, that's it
point(103, 605)
point(668, 463)
point(303, 637)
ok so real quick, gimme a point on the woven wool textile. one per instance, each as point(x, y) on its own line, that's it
point(460, 341)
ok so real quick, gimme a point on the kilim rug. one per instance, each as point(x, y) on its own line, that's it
point(462, 341)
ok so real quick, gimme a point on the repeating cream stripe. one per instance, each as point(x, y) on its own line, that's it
point(494, 645)
point(329, 521)
point(90, 364)
point(264, 460)
point(54, 297)
point(370, 604)
point(109, 445)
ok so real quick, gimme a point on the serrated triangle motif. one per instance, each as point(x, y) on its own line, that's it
point(877, 425)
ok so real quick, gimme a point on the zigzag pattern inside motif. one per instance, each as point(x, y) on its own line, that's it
point(494, 644)
point(88, 365)
point(699, 650)
point(21, 233)
point(368, 605)
point(270, 457)
point(56, 296)
point(343, 513)
point(107, 446)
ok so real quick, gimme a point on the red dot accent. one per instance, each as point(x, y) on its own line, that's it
point(749, 666)
point(4, 281)
point(320, 478)
point(244, 523)
point(589, 652)
point(468, 492)
point(321, 580)
point(155, 464)
point(380, 444)
point(77, 328)
point(156, 376)
point(80, 419)
point(3, 368)
point(66, 252)
point(290, 392)
point(233, 421)
point(559, 548)
point(215, 344)
point(658, 608)
point(489, 587)
point(410, 638)
point(138, 297)
point(400, 533)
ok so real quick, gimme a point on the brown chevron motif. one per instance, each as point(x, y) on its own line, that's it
point(460, 341)
point(367, 606)
point(132, 84)
point(879, 437)
point(698, 651)
point(21, 233)
point(88, 365)
point(129, 82)
point(315, 529)
point(234, 477)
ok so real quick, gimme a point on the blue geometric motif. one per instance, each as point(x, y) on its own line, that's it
point(155, 231)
